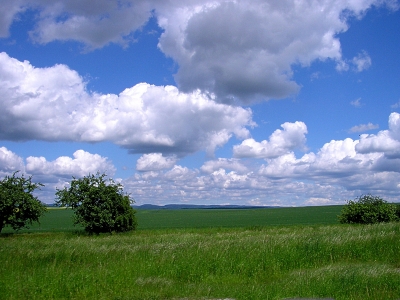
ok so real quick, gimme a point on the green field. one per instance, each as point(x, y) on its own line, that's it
point(205, 254)
point(60, 219)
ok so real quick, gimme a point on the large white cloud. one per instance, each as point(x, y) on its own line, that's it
point(82, 164)
point(52, 104)
point(244, 50)
point(280, 142)
point(240, 50)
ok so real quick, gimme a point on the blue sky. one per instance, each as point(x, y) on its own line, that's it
point(286, 103)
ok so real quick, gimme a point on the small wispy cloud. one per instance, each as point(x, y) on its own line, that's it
point(361, 62)
point(315, 75)
point(342, 66)
point(358, 63)
point(396, 105)
point(363, 127)
point(356, 103)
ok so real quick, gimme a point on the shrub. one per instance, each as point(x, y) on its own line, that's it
point(368, 209)
point(99, 206)
point(17, 204)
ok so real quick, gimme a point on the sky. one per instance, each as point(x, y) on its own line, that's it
point(241, 102)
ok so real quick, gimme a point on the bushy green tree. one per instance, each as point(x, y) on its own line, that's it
point(18, 206)
point(99, 205)
point(368, 209)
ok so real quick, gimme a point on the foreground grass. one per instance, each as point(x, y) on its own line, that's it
point(334, 261)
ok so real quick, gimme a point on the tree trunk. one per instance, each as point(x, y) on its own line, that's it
point(2, 223)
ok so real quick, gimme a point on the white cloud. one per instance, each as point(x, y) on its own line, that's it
point(155, 162)
point(339, 170)
point(359, 63)
point(381, 142)
point(364, 127)
point(341, 66)
point(386, 141)
point(82, 164)
point(356, 103)
point(54, 174)
point(362, 61)
point(240, 51)
point(320, 201)
point(224, 163)
point(180, 174)
point(394, 125)
point(52, 104)
point(220, 186)
point(227, 51)
point(396, 105)
point(10, 162)
point(8, 13)
point(94, 25)
point(244, 50)
point(280, 142)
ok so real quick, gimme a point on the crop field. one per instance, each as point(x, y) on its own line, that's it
point(206, 254)
point(59, 220)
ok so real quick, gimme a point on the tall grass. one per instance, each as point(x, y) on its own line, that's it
point(335, 261)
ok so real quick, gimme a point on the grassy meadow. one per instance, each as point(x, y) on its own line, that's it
point(205, 254)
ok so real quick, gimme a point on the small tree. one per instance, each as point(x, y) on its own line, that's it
point(368, 209)
point(17, 204)
point(99, 206)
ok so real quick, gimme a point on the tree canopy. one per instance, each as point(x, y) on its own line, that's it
point(99, 205)
point(368, 209)
point(18, 206)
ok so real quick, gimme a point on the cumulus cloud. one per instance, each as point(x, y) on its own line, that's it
point(386, 141)
point(184, 185)
point(339, 170)
point(54, 174)
point(347, 163)
point(93, 25)
point(52, 104)
point(224, 163)
point(82, 164)
point(244, 50)
point(155, 162)
point(364, 127)
point(10, 162)
point(280, 142)
point(241, 51)
point(180, 174)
